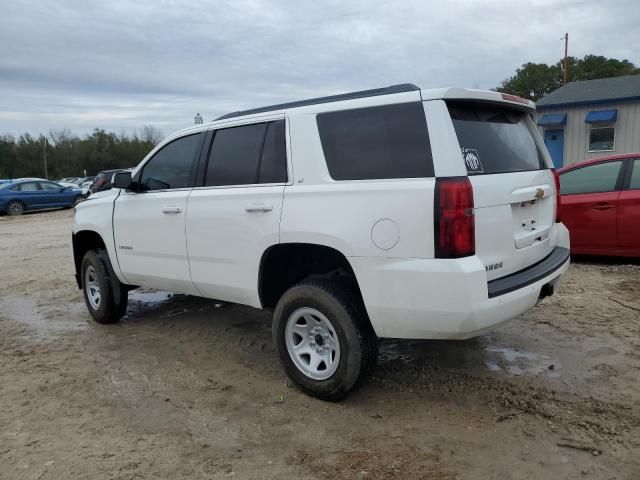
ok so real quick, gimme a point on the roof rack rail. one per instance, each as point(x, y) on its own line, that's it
point(400, 88)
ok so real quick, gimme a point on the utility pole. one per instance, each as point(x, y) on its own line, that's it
point(566, 64)
point(44, 158)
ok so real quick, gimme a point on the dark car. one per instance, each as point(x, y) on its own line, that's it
point(102, 181)
point(600, 205)
point(36, 194)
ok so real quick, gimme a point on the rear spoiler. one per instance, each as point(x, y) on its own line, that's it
point(487, 96)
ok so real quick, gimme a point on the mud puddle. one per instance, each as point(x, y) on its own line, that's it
point(41, 321)
point(482, 355)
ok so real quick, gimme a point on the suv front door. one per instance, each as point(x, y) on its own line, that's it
point(235, 215)
point(149, 223)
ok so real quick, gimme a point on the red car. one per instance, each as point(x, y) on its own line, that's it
point(600, 205)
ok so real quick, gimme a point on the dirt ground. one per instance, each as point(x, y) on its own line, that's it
point(191, 388)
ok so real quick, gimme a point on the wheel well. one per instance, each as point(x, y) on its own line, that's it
point(286, 264)
point(83, 242)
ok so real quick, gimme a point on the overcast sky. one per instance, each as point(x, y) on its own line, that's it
point(120, 65)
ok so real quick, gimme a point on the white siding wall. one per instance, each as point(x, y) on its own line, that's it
point(576, 131)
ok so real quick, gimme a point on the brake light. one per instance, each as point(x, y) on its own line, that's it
point(556, 178)
point(454, 222)
point(514, 98)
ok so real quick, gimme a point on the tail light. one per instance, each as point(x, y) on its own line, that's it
point(454, 222)
point(556, 177)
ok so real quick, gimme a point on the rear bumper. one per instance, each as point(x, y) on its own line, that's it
point(450, 299)
point(555, 260)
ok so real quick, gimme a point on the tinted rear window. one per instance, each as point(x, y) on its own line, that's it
point(248, 154)
point(494, 139)
point(273, 165)
point(233, 159)
point(389, 141)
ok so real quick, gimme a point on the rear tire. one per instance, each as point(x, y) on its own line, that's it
point(323, 338)
point(105, 296)
point(15, 208)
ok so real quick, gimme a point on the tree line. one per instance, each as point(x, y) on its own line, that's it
point(69, 155)
point(535, 80)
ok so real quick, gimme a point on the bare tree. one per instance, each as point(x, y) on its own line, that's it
point(58, 137)
point(151, 134)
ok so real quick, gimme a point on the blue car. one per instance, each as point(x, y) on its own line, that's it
point(35, 194)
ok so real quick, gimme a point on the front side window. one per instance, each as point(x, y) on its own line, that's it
point(592, 179)
point(247, 155)
point(172, 166)
point(601, 139)
point(388, 141)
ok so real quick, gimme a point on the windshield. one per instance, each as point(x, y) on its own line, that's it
point(494, 139)
point(5, 185)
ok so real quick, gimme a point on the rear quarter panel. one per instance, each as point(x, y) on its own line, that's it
point(342, 214)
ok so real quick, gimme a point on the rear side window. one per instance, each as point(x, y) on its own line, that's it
point(494, 139)
point(50, 187)
point(389, 141)
point(273, 166)
point(602, 177)
point(28, 187)
point(173, 165)
point(247, 155)
point(635, 176)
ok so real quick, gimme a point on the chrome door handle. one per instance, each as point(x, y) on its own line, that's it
point(259, 208)
point(171, 210)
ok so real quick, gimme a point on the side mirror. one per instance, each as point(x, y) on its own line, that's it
point(122, 180)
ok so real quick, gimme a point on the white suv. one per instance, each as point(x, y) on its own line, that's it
point(395, 212)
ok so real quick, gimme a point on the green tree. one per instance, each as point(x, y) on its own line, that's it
point(593, 66)
point(69, 155)
point(535, 80)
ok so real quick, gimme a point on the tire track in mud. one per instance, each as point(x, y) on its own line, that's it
point(599, 420)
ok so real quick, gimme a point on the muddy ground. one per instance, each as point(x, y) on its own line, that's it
point(189, 388)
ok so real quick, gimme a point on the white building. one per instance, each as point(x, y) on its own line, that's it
point(591, 118)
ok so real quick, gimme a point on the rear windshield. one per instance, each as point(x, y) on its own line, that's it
point(494, 139)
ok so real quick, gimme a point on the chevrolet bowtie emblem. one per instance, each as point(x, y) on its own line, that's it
point(539, 193)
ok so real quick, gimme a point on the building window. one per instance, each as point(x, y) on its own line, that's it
point(601, 139)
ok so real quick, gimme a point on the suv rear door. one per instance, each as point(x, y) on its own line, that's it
point(234, 213)
point(513, 186)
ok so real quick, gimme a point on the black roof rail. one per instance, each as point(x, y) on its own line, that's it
point(400, 88)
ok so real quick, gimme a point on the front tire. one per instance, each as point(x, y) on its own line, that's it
point(15, 208)
point(105, 296)
point(323, 338)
